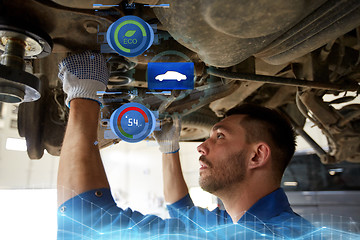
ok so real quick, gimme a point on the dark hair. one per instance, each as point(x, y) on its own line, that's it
point(268, 125)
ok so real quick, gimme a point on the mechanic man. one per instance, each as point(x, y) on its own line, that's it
point(242, 163)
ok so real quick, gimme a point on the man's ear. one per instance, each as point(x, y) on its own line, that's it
point(260, 155)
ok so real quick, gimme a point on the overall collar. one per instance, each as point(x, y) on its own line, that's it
point(267, 207)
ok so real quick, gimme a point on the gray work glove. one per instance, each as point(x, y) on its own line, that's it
point(83, 75)
point(169, 136)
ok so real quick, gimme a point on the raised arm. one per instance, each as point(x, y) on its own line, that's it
point(168, 138)
point(80, 167)
point(175, 187)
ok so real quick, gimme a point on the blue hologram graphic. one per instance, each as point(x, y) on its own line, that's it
point(160, 5)
point(81, 218)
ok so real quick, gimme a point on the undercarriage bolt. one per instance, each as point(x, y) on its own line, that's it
point(91, 27)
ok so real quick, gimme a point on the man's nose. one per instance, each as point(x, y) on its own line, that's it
point(203, 149)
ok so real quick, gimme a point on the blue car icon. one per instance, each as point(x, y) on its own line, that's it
point(171, 75)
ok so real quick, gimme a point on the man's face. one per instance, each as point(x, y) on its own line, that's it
point(223, 155)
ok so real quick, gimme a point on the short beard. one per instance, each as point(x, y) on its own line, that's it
point(229, 172)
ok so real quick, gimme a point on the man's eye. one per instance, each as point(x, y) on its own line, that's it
point(220, 135)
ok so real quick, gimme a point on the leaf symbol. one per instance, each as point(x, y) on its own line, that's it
point(129, 33)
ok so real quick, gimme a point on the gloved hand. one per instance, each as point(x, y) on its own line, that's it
point(169, 136)
point(83, 75)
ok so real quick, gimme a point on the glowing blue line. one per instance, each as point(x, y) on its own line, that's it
point(163, 92)
point(82, 224)
point(101, 5)
point(160, 5)
point(104, 92)
point(109, 59)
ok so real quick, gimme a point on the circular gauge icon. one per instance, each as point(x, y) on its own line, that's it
point(130, 36)
point(132, 122)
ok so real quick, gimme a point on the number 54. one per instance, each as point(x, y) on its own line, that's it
point(132, 122)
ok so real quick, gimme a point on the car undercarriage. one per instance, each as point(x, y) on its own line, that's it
point(285, 55)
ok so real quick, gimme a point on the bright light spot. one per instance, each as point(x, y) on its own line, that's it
point(291, 184)
point(330, 97)
point(16, 144)
point(335, 170)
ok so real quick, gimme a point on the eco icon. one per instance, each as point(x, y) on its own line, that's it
point(130, 36)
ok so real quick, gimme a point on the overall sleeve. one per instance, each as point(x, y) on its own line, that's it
point(94, 215)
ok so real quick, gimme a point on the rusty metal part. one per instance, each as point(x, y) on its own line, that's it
point(350, 117)
point(49, 67)
point(240, 94)
point(13, 55)
point(18, 86)
point(342, 135)
point(323, 155)
point(221, 32)
point(324, 113)
point(349, 141)
point(331, 20)
point(281, 97)
point(282, 81)
point(91, 27)
point(121, 71)
point(168, 51)
point(165, 104)
point(68, 27)
point(200, 97)
point(31, 46)
point(35, 42)
point(17, 43)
